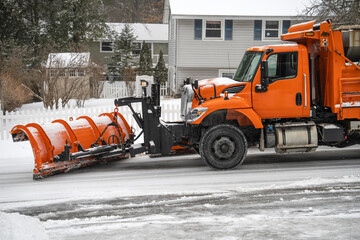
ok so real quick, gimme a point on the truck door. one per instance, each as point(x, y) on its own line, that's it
point(286, 93)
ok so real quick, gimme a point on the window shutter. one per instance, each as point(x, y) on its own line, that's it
point(228, 29)
point(285, 26)
point(257, 29)
point(198, 29)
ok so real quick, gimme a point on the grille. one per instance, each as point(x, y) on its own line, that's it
point(234, 89)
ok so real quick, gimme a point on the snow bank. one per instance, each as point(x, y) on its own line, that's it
point(14, 226)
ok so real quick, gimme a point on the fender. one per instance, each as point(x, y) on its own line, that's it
point(253, 117)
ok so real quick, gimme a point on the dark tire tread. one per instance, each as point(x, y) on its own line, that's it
point(230, 132)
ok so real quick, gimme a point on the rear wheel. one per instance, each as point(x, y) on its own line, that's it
point(223, 147)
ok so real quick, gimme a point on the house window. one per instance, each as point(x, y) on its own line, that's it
point(213, 29)
point(272, 29)
point(106, 47)
point(282, 66)
point(62, 73)
point(72, 73)
point(229, 73)
point(137, 48)
point(81, 73)
point(161, 46)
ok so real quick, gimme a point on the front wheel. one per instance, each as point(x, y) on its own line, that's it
point(223, 147)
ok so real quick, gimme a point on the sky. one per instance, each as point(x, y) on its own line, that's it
point(238, 7)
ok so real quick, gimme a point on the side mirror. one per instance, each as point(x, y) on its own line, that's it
point(196, 84)
point(264, 73)
point(264, 78)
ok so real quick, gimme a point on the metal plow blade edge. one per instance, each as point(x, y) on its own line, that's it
point(61, 146)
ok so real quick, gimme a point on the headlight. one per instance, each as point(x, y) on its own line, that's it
point(195, 114)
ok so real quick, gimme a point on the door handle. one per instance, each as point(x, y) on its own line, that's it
point(298, 99)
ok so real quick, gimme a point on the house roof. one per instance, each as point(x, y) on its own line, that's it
point(144, 31)
point(68, 60)
point(243, 8)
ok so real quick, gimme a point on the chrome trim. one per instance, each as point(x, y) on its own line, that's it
point(305, 95)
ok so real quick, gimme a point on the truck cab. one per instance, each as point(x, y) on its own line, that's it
point(271, 81)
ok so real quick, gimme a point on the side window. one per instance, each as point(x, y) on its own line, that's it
point(272, 65)
point(282, 66)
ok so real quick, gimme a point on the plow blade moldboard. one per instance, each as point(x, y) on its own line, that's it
point(84, 139)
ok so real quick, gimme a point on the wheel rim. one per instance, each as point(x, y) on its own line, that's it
point(223, 148)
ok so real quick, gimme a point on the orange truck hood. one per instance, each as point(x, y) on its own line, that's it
point(206, 86)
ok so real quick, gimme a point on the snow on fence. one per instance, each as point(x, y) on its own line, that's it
point(170, 112)
point(118, 89)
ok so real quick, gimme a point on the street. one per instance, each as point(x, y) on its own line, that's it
point(271, 196)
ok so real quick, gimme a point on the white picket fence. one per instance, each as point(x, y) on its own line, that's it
point(170, 112)
point(118, 89)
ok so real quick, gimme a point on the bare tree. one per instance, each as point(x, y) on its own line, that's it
point(97, 77)
point(129, 78)
point(70, 76)
point(344, 12)
point(147, 11)
point(12, 75)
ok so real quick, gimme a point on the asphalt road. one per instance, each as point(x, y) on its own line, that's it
point(271, 196)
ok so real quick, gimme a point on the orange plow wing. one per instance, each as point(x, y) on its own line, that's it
point(61, 146)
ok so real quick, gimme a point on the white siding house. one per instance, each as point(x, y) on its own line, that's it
point(208, 38)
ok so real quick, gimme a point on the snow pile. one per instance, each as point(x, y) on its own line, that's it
point(15, 226)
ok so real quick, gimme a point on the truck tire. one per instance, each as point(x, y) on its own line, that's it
point(223, 147)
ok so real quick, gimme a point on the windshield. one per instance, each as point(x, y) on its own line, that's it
point(248, 66)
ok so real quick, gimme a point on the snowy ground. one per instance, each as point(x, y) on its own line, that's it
point(298, 196)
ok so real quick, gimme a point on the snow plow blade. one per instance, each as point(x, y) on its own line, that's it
point(64, 145)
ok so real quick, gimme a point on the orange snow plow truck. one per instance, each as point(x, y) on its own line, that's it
point(291, 97)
